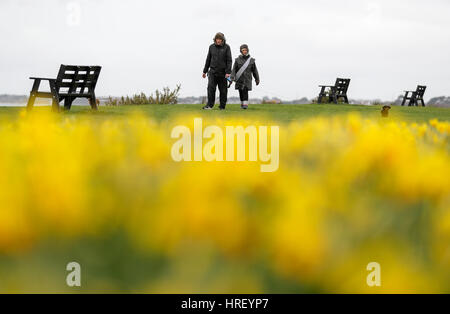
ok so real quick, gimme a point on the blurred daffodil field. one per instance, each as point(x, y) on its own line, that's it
point(106, 194)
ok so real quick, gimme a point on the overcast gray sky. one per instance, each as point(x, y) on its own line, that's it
point(385, 46)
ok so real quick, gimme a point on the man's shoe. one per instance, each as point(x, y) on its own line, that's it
point(222, 108)
point(207, 107)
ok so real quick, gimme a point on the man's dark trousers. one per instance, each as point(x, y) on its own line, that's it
point(219, 80)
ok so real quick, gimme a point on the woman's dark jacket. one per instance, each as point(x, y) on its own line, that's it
point(246, 79)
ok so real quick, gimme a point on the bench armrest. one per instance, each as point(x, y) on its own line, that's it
point(42, 79)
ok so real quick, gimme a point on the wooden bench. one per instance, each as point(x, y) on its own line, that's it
point(72, 82)
point(415, 97)
point(336, 92)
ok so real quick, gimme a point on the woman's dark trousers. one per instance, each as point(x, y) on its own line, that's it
point(243, 94)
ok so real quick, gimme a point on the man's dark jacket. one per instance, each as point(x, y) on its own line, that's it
point(219, 60)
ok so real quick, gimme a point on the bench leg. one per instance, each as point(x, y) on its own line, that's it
point(321, 95)
point(346, 99)
point(423, 102)
point(414, 102)
point(33, 94)
point(334, 98)
point(68, 103)
point(404, 99)
point(333, 95)
point(55, 97)
point(93, 102)
point(31, 101)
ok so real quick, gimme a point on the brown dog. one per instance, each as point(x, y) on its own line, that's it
point(385, 111)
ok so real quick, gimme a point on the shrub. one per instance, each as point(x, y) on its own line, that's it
point(164, 97)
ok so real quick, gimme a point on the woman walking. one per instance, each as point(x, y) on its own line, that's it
point(243, 70)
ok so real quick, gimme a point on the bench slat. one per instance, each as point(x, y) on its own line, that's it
point(75, 95)
point(79, 77)
point(75, 85)
point(81, 68)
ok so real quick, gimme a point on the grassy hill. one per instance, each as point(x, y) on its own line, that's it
point(275, 113)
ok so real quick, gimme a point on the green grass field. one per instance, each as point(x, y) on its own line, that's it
point(276, 113)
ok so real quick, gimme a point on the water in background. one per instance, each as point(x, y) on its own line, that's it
point(12, 105)
point(36, 105)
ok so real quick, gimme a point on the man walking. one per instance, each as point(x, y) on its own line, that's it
point(218, 68)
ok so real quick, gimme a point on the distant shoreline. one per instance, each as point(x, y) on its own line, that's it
point(12, 105)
